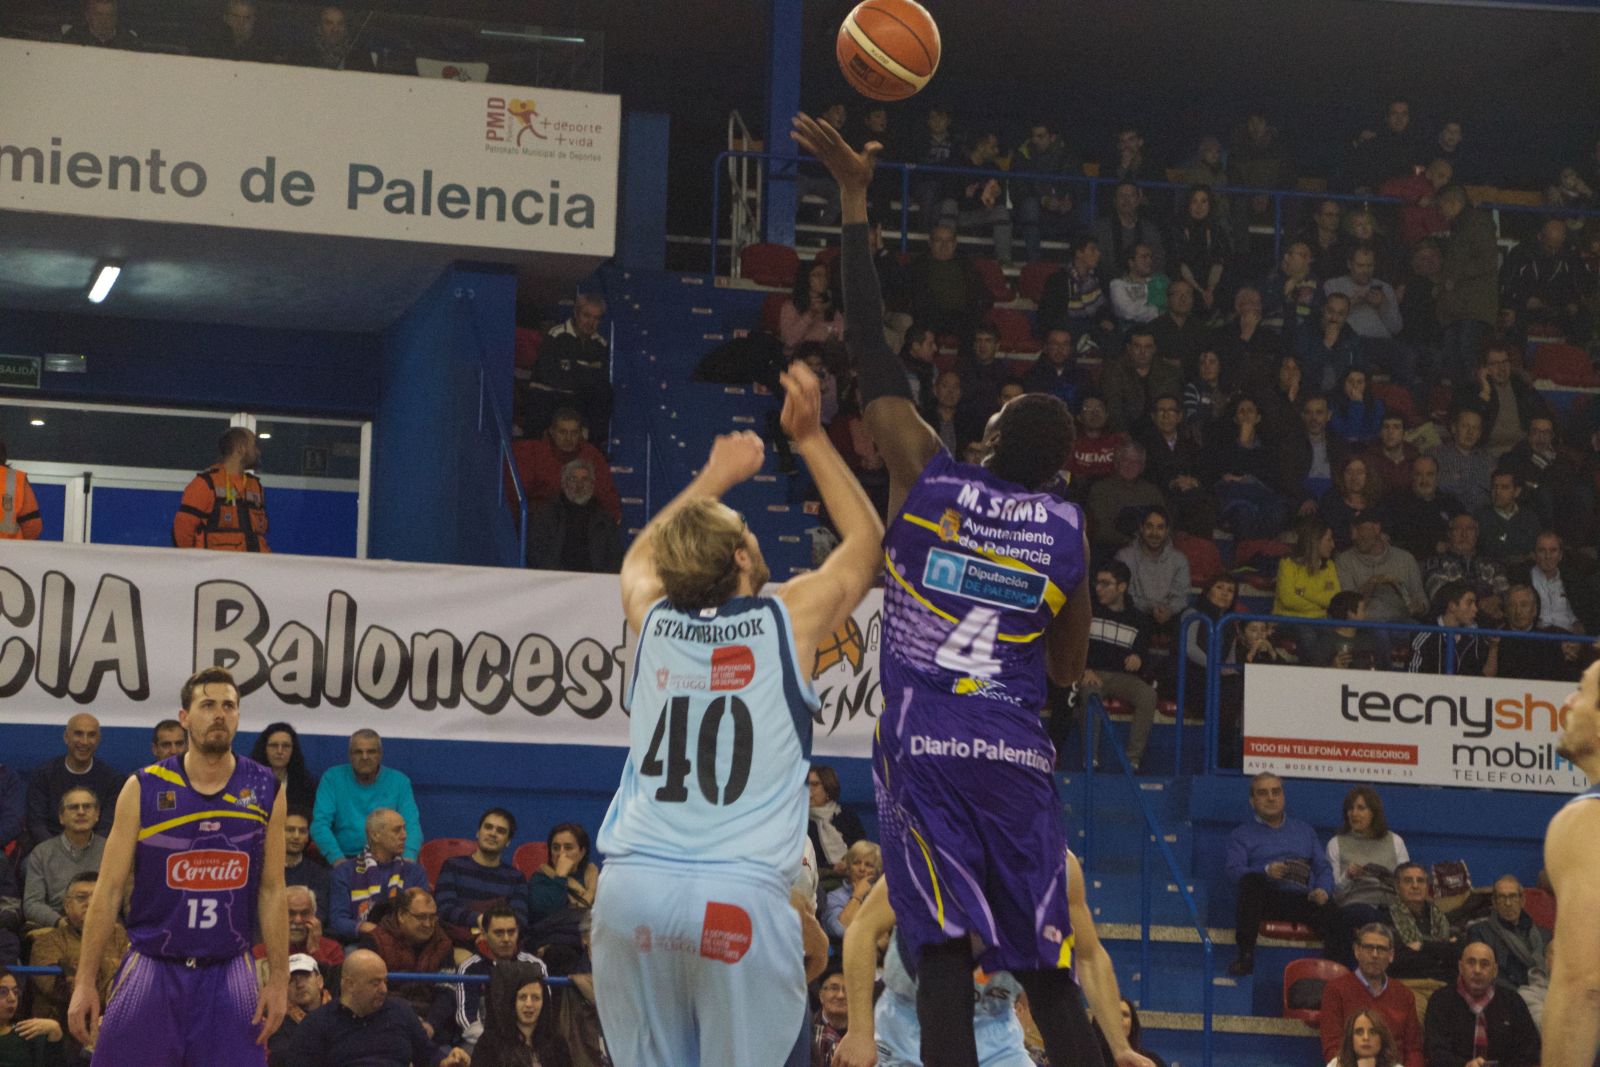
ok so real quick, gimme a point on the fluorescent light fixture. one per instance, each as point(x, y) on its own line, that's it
point(107, 277)
point(35, 422)
point(265, 435)
point(531, 36)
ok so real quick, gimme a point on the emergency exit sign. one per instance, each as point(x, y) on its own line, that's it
point(19, 372)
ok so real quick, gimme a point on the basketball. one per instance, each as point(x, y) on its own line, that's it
point(888, 49)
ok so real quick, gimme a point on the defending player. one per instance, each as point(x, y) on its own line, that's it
point(984, 594)
point(201, 835)
point(696, 948)
point(1572, 1008)
point(887, 1034)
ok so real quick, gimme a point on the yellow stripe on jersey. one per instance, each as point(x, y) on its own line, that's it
point(158, 771)
point(927, 856)
point(182, 819)
point(945, 615)
point(258, 809)
point(1065, 959)
point(1053, 595)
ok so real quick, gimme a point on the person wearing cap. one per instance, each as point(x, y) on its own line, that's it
point(307, 993)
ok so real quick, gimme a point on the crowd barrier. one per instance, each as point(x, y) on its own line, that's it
point(394, 976)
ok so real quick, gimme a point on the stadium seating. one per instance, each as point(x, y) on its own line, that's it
point(1016, 332)
point(1397, 399)
point(1303, 981)
point(435, 852)
point(1565, 365)
point(994, 278)
point(530, 857)
point(770, 264)
point(1540, 906)
point(1031, 282)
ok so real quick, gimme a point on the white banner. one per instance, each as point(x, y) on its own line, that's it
point(1414, 729)
point(114, 134)
point(410, 650)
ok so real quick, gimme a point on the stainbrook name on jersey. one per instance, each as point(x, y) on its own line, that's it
point(709, 633)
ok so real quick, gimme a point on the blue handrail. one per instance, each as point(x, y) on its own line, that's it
point(1095, 709)
point(464, 300)
point(394, 976)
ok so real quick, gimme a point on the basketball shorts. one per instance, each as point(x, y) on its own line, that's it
point(971, 830)
point(696, 964)
point(899, 1037)
point(165, 1013)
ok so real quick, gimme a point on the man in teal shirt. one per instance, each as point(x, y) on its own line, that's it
point(347, 795)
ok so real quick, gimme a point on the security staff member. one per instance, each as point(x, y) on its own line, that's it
point(224, 507)
point(19, 511)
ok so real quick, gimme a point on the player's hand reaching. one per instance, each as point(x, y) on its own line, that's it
point(851, 169)
point(802, 402)
point(736, 457)
point(83, 1014)
point(272, 1003)
point(856, 1049)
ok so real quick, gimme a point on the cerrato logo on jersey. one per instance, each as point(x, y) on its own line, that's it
point(208, 870)
point(971, 578)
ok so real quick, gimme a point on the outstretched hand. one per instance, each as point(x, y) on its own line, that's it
point(802, 402)
point(851, 169)
point(736, 457)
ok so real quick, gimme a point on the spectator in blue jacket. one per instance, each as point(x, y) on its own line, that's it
point(1281, 870)
point(347, 795)
point(379, 872)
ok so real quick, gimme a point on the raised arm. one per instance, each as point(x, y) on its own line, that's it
point(860, 960)
point(116, 865)
point(820, 602)
point(1572, 1008)
point(904, 439)
point(735, 457)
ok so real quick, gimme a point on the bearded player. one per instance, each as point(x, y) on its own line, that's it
point(1572, 1008)
point(983, 597)
point(201, 835)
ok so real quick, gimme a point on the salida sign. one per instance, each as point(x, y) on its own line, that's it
point(1414, 728)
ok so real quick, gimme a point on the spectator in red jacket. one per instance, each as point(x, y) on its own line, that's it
point(539, 462)
point(1420, 216)
point(1369, 988)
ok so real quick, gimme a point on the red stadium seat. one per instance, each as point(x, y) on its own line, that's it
point(1566, 365)
point(770, 264)
point(1016, 332)
point(827, 255)
point(1311, 975)
point(530, 857)
point(994, 278)
point(1540, 906)
point(771, 308)
point(1397, 399)
point(435, 852)
point(527, 347)
point(1287, 931)
point(1031, 283)
point(1205, 562)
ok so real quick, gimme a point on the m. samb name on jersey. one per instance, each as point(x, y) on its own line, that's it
point(1004, 508)
point(711, 633)
point(208, 870)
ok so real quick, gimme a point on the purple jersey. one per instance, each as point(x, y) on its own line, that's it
point(976, 569)
point(197, 866)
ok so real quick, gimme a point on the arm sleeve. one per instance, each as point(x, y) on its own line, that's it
point(449, 900)
point(39, 806)
point(1391, 311)
point(322, 816)
point(341, 916)
point(46, 953)
point(1238, 860)
point(198, 500)
point(832, 908)
point(28, 513)
point(34, 908)
point(1336, 864)
point(879, 369)
point(1121, 302)
point(1401, 853)
point(1178, 592)
point(792, 325)
point(1331, 1024)
point(406, 805)
point(13, 804)
point(1321, 873)
point(1194, 643)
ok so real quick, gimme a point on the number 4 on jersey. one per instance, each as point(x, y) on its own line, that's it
point(970, 647)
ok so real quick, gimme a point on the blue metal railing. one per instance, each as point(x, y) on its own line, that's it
point(394, 976)
point(1095, 714)
point(1091, 200)
point(464, 300)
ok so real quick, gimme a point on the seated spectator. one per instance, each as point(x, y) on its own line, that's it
point(1200, 247)
point(1250, 351)
point(1126, 226)
point(573, 371)
point(1468, 297)
point(982, 372)
point(1118, 504)
point(1094, 446)
point(1280, 870)
point(331, 46)
point(348, 795)
point(574, 532)
point(1423, 515)
point(1205, 168)
point(560, 894)
point(1375, 316)
point(1553, 482)
point(916, 356)
point(308, 991)
point(408, 939)
point(1207, 399)
point(1325, 236)
point(78, 768)
point(499, 944)
point(1073, 299)
point(947, 293)
point(1248, 504)
point(1368, 1042)
point(1216, 599)
point(1132, 381)
point(277, 748)
point(1379, 154)
point(62, 945)
point(955, 422)
point(979, 201)
point(520, 1021)
point(1119, 658)
point(1140, 295)
point(1383, 574)
point(1363, 856)
point(1543, 660)
point(1291, 298)
point(1545, 283)
point(1569, 599)
point(540, 462)
point(933, 145)
point(1344, 647)
point(1180, 333)
point(1425, 947)
point(1179, 465)
point(1128, 161)
point(54, 863)
point(832, 1017)
point(305, 931)
point(100, 28)
point(1507, 530)
point(380, 872)
point(468, 886)
point(1455, 604)
point(1389, 458)
point(832, 828)
point(1505, 401)
point(1420, 216)
point(300, 866)
point(1461, 562)
point(1362, 231)
point(1310, 455)
point(1355, 414)
point(1043, 205)
point(30, 1041)
point(1517, 942)
point(1367, 994)
point(810, 313)
point(1258, 159)
point(1419, 306)
point(1330, 351)
point(1475, 1021)
point(1056, 372)
point(1307, 578)
point(1159, 583)
point(13, 805)
point(1537, 990)
point(864, 864)
point(239, 36)
point(1281, 395)
point(1132, 1031)
point(367, 1026)
point(1353, 496)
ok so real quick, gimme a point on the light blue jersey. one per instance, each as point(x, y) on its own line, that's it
point(718, 741)
point(995, 1026)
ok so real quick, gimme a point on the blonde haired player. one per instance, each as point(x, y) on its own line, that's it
point(697, 948)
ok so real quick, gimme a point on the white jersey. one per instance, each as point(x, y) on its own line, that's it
point(719, 740)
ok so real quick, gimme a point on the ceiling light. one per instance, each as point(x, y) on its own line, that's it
point(265, 435)
point(104, 280)
point(35, 422)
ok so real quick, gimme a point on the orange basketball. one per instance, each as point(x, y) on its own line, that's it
point(888, 49)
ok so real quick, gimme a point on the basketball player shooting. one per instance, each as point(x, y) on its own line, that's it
point(697, 947)
point(984, 595)
point(201, 834)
